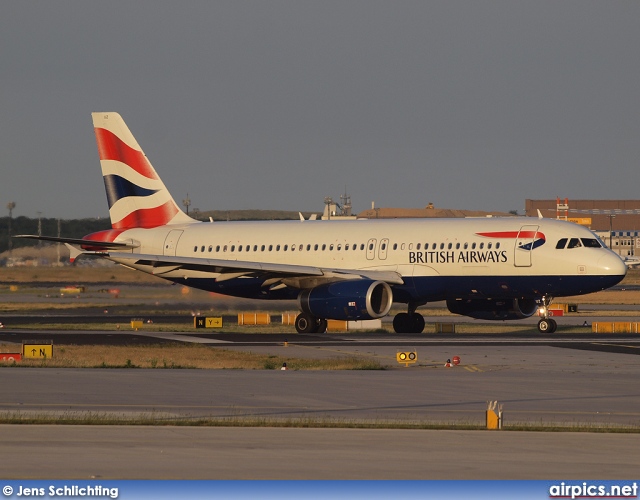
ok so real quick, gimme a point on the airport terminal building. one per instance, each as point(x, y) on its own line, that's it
point(617, 222)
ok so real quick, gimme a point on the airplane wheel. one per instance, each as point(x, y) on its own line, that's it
point(546, 325)
point(417, 322)
point(322, 326)
point(554, 326)
point(305, 323)
point(401, 323)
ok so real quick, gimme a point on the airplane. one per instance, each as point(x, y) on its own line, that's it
point(498, 268)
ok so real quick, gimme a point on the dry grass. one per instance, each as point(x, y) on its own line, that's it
point(75, 274)
point(185, 356)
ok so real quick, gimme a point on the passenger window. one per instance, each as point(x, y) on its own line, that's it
point(361, 246)
point(308, 247)
point(473, 246)
point(339, 247)
point(481, 245)
point(433, 247)
point(239, 248)
point(384, 246)
point(410, 246)
point(217, 248)
point(489, 245)
point(324, 247)
point(457, 246)
point(498, 244)
point(418, 246)
point(225, 248)
point(574, 243)
point(315, 247)
point(202, 248)
point(210, 248)
point(466, 245)
point(262, 248)
point(449, 246)
point(370, 246)
point(561, 243)
point(395, 246)
point(331, 247)
point(233, 248)
point(441, 246)
point(247, 248)
point(270, 248)
point(277, 248)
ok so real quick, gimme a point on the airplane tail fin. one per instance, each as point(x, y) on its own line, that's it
point(137, 196)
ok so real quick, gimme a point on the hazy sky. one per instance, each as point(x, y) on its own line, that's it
point(277, 104)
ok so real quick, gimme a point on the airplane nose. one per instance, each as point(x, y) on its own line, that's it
point(611, 264)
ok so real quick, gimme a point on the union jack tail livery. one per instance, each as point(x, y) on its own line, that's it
point(136, 194)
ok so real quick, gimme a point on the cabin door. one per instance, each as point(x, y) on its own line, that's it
point(524, 245)
point(171, 242)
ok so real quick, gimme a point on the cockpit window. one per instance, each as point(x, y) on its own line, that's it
point(591, 242)
point(561, 243)
point(574, 243)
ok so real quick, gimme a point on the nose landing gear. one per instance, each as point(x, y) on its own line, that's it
point(546, 324)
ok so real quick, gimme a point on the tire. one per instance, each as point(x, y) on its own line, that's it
point(545, 326)
point(322, 326)
point(401, 323)
point(417, 323)
point(305, 323)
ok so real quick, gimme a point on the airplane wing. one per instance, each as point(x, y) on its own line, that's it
point(228, 269)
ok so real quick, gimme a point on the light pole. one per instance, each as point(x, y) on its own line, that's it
point(611, 217)
point(186, 202)
point(10, 206)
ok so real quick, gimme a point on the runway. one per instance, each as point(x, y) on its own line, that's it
point(579, 380)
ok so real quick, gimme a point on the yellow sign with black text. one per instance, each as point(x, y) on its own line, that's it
point(207, 321)
point(42, 351)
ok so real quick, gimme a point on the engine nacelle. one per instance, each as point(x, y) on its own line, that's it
point(348, 300)
point(493, 309)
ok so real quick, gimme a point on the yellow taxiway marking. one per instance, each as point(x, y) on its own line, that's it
point(472, 368)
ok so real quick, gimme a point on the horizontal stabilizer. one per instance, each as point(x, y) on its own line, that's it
point(92, 245)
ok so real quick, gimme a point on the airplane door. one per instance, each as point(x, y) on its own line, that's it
point(524, 245)
point(171, 241)
point(371, 248)
point(382, 251)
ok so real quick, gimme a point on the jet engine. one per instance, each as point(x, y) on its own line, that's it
point(348, 300)
point(494, 309)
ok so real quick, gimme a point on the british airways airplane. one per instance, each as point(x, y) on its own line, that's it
point(485, 268)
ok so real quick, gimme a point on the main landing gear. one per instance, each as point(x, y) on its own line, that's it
point(546, 324)
point(409, 322)
point(307, 323)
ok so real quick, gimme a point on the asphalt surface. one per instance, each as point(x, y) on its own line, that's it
point(579, 381)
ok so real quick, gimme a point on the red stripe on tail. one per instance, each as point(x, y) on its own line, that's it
point(148, 217)
point(110, 147)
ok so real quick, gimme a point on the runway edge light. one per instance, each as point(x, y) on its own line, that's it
point(407, 357)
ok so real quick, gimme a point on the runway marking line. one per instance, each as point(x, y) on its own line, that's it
point(616, 345)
